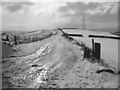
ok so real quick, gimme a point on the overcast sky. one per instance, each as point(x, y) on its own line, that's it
point(39, 14)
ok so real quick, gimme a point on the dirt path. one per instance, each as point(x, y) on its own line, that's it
point(56, 63)
point(28, 70)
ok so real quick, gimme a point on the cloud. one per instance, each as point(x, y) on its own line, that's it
point(115, 9)
point(97, 14)
point(42, 8)
point(16, 0)
point(15, 6)
point(76, 9)
point(89, 8)
point(54, 13)
point(101, 12)
point(60, 0)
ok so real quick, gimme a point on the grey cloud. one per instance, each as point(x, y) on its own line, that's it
point(107, 16)
point(15, 6)
point(104, 18)
point(77, 7)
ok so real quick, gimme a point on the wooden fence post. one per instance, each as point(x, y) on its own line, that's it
point(7, 38)
point(97, 51)
point(15, 39)
point(93, 47)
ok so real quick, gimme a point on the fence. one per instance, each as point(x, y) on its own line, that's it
point(29, 39)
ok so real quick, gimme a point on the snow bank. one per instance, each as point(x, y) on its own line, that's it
point(109, 47)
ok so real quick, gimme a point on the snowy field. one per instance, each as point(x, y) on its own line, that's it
point(54, 61)
point(109, 47)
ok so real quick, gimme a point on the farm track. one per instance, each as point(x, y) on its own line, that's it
point(57, 64)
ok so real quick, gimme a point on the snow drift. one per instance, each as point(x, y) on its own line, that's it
point(57, 63)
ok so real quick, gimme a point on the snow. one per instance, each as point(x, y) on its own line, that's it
point(109, 47)
point(85, 33)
